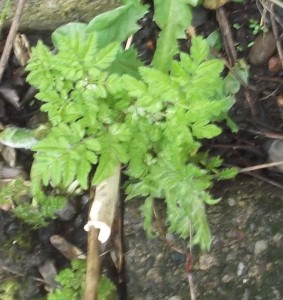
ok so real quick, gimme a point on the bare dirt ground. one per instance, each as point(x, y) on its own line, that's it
point(245, 261)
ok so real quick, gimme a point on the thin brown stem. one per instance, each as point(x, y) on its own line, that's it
point(227, 35)
point(276, 35)
point(11, 36)
point(228, 65)
point(189, 273)
point(162, 233)
point(262, 166)
point(93, 265)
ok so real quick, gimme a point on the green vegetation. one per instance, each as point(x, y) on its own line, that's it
point(8, 289)
point(72, 281)
point(256, 27)
point(4, 8)
point(104, 107)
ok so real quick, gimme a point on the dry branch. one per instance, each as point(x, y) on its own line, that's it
point(11, 37)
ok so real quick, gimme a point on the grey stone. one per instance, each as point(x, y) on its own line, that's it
point(260, 246)
point(50, 14)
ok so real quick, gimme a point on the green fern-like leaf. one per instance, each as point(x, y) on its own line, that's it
point(147, 209)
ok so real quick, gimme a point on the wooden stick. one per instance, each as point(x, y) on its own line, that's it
point(93, 265)
point(11, 36)
point(276, 35)
point(227, 35)
point(262, 166)
point(189, 270)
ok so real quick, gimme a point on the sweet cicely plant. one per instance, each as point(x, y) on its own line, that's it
point(105, 107)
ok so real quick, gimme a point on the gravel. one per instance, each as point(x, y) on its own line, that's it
point(246, 257)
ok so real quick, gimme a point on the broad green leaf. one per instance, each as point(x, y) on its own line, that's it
point(69, 29)
point(214, 40)
point(173, 17)
point(118, 24)
point(231, 83)
point(195, 2)
point(18, 137)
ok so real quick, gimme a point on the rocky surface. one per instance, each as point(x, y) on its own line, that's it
point(49, 14)
point(246, 257)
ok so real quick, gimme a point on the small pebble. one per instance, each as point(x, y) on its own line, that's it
point(254, 271)
point(227, 278)
point(66, 213)
point(170, 237)
point(154, 276)
point(262, 49)
point(214, 4)
point(177, 258)
point(206, 261)
point(274, 64)
point(176, 297)
point(278, 239)
point(231, 201)
point(275, 153)
point(231, 256)
point(240, 269)
point(260, 246)
point(246, 295)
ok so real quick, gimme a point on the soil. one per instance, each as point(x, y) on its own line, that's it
point(245, 261)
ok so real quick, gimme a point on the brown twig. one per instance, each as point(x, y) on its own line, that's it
point(161, 230)
point(267, 134)
point(227, 35)
point(262, 166)
point(272, 182)
point(93, 265)
point(189, 268)
point(276, 35)
point(228, 65)
point(251, 102)
point(11, 36)
point(274, 79)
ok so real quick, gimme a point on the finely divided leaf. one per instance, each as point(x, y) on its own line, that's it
point(173, 17)
point(202, 130)
point(107, 163)
point(126, 62)
point(147, 212)
point(199, 49)
point(106, 56)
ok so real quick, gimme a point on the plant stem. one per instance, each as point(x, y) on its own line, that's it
point(11, 37)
